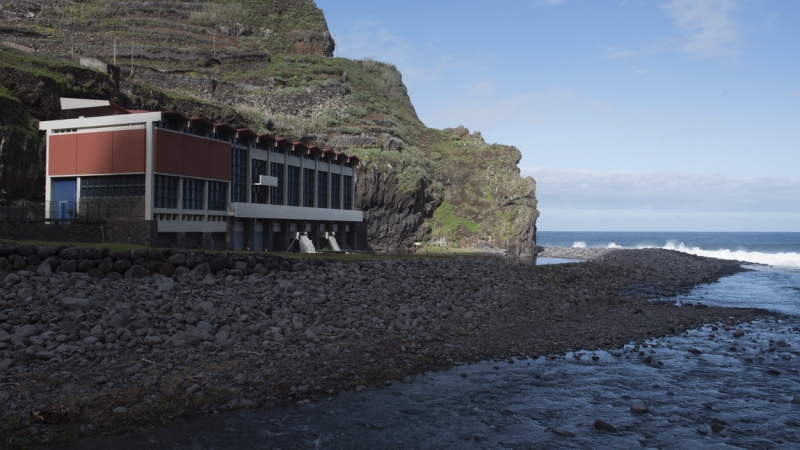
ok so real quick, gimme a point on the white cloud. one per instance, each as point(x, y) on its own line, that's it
point(598, 189)
point(708, 26)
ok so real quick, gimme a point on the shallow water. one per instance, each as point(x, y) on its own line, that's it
point(740, 381)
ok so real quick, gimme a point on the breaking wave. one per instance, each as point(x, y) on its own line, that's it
point(789, 259)
point(579, 244)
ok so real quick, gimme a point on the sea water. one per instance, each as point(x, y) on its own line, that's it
point(780, 249)
point(747, 382)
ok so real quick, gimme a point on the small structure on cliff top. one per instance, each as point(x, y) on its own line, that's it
point(166, 179)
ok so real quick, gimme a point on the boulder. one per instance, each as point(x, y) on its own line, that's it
point(46, 252)
point(68, 253)
point(27, 249)
point(119, 255)
point(201, 269)
point(166, 268)
point(137, 272)
point(155, 254)
point(219, 263)
point(91, 253)
point(121, 266)
point(85, 264)
point(68, 266)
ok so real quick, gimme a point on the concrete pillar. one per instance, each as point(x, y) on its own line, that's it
point(228, 234)
point(180, 240)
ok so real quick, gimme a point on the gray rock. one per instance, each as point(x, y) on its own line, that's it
point(4, 336)
point(76, 303)
point(166, 268)
point(796, 399)
point(68, 253)
point(27, 249)
point(639, 408)
point(96, 273)
point(153, 340)
point(4, 397)
point(241, 403)
point(5, 364)
point(85, 265)
point(119, 255)
point(46, 252)
point(604, 426)
point(562, 432)
point(219, 263)
point(138, 253)
point(120, 410)
point(738, 333)
point(44, 270)
point(119, 320)
point(68, 266)
point(155, 254)
point(121, 266)
point(139, 324)
point(137, 272)
point(54, 262)
point(201, 269)
point(178, 259)
point(11, 279)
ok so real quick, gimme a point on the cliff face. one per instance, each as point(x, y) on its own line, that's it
point(265, 64)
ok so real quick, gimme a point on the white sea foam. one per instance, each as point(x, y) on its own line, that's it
point(789, 259)
point(614, 245)
point(579, 244)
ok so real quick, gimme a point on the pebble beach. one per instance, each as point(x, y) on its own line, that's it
point(101, 351)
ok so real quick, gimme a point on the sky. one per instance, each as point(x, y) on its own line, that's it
point(631, 115)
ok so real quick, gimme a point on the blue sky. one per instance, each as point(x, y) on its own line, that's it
point(661, 115)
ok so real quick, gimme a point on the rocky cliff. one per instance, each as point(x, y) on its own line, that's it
point(265, 64)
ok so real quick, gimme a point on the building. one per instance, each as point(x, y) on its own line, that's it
point(164, 179)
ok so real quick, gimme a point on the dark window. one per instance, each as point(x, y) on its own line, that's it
point(322, 189)
point(276, 193)
point(192, 193)
point(347, 192)
point(112, 186)
point(293, 186)
point(335, 162)
point(217, 191)
point(336, 191)
point(238, 175)
point(259, 193)
point(275, 150)
point(166, 195)
point(308, 188)
point(307, 156)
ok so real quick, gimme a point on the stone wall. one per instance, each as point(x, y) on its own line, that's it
point(140, 263)
point(118, 208)
point(77, 232)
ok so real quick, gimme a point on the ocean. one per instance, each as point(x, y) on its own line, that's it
point(776, 249)
point(705, 389)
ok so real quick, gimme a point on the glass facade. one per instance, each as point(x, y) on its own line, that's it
point(336, 191)
point(166, 192)
point(112, 186)
point(308, 188)
point(238, 175)
point(322, 189)
point(293, 186)
point(217, 191)
point(276, 193)
point(347, 192)
point(193, 193)
point(258, 193)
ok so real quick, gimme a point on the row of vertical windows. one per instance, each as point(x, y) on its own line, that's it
point(293, 186)
point(192, 193)
point(217, 191)
point(276, 193)
point(322, 189)
point(112, 186)
point(336, 190)
point(347, 195)
point(166, 195)
point(238, 175)
point(259, 193)
point(308, 188)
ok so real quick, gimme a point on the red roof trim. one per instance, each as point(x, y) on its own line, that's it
point(202, 119)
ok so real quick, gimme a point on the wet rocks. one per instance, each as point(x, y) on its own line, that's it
point(602, 425)
point(639, 408)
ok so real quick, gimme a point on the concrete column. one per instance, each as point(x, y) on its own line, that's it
point(228, 233)
point(207, 244)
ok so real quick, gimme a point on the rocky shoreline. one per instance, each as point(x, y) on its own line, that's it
point(86, 356)
point(573, 252)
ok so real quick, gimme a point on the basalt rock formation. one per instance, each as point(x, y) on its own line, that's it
point(268, 65)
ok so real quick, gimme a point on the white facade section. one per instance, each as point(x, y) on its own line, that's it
point(266, 180)
point(257, 211)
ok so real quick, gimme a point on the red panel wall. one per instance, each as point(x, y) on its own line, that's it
point(129, 151)
point(219, 161)
point(63, 154)
point(195, 157)
point(94, 152)
point(192, 156)
point(169, 152)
